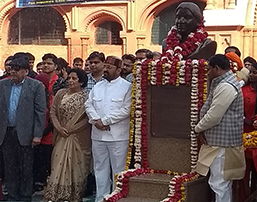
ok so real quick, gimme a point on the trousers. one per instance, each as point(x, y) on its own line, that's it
point(109, 159)
point(18, 167)
point(222, 188)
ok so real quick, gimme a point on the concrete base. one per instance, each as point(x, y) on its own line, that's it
point(155, 187)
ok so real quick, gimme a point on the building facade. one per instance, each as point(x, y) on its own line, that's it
point(117, 27)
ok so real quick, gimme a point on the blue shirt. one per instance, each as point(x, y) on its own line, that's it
point(13, 103)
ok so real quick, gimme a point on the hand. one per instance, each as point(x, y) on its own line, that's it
point(36, 141)
point(202, 139)
point(64, 132)
point(99, 125)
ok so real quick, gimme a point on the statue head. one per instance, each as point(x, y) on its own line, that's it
point(188, 18)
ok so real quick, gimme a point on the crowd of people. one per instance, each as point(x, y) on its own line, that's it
point(61, 123)
point(55, 120)
point(59, 117)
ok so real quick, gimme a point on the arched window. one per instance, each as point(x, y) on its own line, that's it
point(40, 26)
point(164, 21)
point(108, 33)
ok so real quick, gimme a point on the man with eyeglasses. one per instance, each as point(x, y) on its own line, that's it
point(23, 105)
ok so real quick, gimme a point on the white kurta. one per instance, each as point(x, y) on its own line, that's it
point(110, 102)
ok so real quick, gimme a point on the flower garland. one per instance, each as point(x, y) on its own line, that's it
point(169, 70)
point(250, 139)
point(132, 121)
point(122, 184)
point(188, 72)
point(177, 188)
point(177, 50)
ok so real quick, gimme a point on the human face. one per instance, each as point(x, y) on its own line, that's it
point(73, 81)
point(253, 75)
point(78, 64)
point(18, 74)
point(127, 66)
point(248, 65)
point(31, 64)
point(40, 69)
point(87, 67)
point(185, 22)
point(96, 65)
point(140, 56)
point(49, 66)
point(212, 72)
point(111, 72)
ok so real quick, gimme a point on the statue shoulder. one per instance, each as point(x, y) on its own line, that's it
point(205, 50)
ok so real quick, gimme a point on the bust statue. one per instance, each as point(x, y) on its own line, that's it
point(189, 34)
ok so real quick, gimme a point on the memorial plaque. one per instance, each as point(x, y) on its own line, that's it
point(170, 111)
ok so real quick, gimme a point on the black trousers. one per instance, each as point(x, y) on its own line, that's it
point(18, 167)
point(42, 162)
point(1, 165)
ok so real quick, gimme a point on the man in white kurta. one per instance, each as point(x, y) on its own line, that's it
point(108, 109)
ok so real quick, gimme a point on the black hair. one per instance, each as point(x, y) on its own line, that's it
point(142, 50)
point(61, 63)
point(30, 56)
point(254, 65)
point(20, 63)
point(51, 56)
point(8, 59)
point(249, 59)
point(20, 54)
point(237, 51)
point(130, 57)
point(96, 54)
point(156, 53)
point(219, 60)
point(67, 69)
point(81, 75)
point(78, 59)
point(39, 64)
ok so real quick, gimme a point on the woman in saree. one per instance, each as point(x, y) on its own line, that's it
point(72, 145)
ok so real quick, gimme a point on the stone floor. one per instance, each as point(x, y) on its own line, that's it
point(38, 197)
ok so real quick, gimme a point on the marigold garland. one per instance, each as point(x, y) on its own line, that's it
point(250, 139)
point(188, 72)
point(176, 187)
point(169, 70)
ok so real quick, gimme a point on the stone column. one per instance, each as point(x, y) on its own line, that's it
point(84, 46)
point(141, 41)
point(68, 37)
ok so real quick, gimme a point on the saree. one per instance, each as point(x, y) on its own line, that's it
point(72, 154)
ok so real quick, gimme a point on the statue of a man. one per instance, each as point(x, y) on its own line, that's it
point(189, 34)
